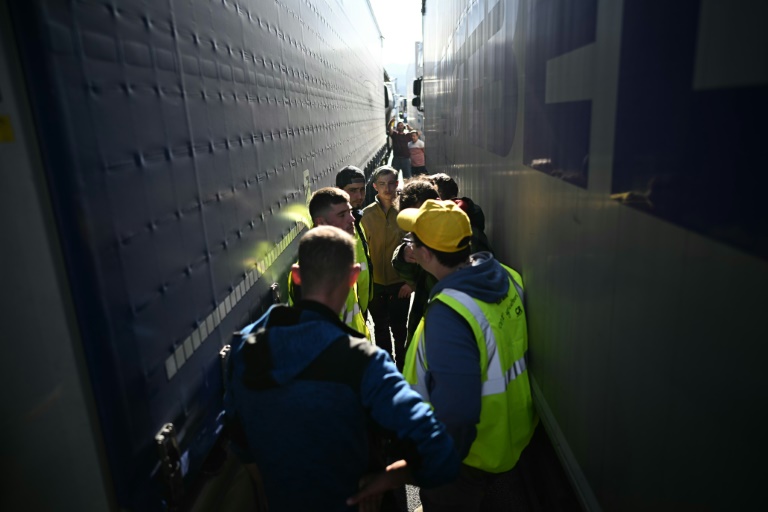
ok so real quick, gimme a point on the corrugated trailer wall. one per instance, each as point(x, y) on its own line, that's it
point(617, 149)
point(178, 144)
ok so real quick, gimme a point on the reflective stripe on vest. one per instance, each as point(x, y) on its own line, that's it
point(349, 316)
point(418, 382)
point(365, 279)
point(352, 314)
point(507, 416)
point(497, 379)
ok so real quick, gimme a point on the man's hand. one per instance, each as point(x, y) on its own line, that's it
point(405, 291)
point(372, 486)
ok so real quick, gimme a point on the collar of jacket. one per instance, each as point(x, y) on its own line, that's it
point(381, 208)
point(291, 315)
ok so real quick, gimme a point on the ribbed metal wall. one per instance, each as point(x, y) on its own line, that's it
point(180, 141)
point(616, 148)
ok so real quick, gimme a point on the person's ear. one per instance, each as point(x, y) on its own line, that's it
point(319, 221)
point(354, 272)
point(296, 274)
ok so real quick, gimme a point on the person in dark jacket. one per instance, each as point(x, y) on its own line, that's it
point(449, 191)
point(401, 155)
point(303, 389)
point(414, 194)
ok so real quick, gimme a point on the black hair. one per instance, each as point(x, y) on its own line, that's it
point(446, 186)
point(415, 193)
point(447, 259)
point(323, 199)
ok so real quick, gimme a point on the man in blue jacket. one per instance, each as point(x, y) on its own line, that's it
point(303, 390)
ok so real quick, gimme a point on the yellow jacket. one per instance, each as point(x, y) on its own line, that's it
point(383, 235)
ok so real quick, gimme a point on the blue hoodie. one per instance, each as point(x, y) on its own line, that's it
point(453, 379)
point(303, 390)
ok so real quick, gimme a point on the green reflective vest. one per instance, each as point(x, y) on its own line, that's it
point(364, 283)
point(351, 315)
point(507, 416)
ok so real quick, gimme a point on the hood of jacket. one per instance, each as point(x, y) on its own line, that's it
point(484, 279)
point(473, 211)
point(287, 339)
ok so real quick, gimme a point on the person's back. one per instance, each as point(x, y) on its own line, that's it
point(303, 391)
point(476, 216)
point(468, 354)
point(294, 397)
point(481, 303)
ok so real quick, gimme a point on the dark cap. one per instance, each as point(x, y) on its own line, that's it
point(348, 175)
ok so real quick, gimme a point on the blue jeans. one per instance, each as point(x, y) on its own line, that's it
point(402, 164)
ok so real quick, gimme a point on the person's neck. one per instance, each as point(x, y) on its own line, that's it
point(332, 300)
point(441, 272)
point(385, 203)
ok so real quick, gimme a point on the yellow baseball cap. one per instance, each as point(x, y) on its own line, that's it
point(440, 225)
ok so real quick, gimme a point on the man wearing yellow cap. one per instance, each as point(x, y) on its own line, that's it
point(468, 354)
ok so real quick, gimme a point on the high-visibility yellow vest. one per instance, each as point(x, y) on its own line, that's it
point(507, 416)
point(351, 315)
point(364, 285)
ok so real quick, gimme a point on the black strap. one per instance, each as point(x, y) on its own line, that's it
point(258, 361)
point(367, 254)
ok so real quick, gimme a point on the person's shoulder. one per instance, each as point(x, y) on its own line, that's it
point(344, 361)
point(368, 209)
point(444, 322)
point(361, 345)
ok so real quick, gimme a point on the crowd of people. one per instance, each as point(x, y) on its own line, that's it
point(326, 415)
